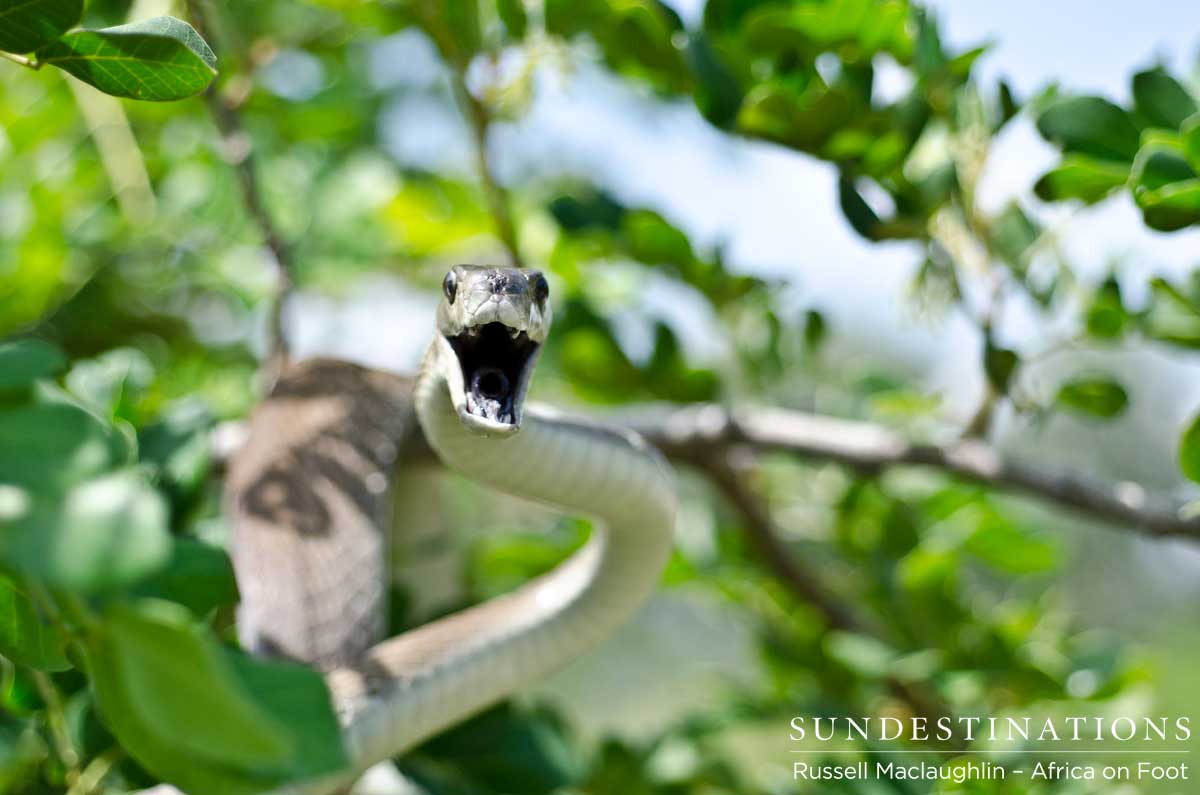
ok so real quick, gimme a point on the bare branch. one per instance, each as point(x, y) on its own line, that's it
point(694, 432)
point(480, 122)
point(761, 533)
point(238, 151)
point(723, 471)
point(699, 433)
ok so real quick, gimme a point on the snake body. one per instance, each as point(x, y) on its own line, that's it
point(469, 400)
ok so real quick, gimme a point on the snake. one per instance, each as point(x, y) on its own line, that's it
point(310, 508)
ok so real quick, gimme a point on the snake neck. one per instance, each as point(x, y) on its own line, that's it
point(421, 682)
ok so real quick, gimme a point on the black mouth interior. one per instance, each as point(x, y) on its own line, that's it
point(493, 364)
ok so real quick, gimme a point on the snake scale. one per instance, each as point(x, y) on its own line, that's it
point(309, 502)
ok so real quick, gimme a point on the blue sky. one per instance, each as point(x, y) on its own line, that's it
point(1089, 46)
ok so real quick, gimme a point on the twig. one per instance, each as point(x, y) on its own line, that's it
point(28, 63)
point(57, 722)
point(239, 153)
point(981, 421)
point(119, 152)
point(697, 431)
point(805, 584)
point(761, 533)
point(92, 776)
point(479, 120)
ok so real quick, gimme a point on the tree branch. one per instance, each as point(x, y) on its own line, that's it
point(722, 470)
point(480, 122)
point(697, 431)
point(761, 533)
point(238, 151)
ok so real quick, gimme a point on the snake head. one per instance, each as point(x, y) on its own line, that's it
point(491, 323)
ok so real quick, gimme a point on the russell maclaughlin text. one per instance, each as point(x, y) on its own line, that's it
point(895, 771)
point(989, 771)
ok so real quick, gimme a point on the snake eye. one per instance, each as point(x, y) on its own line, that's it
point(450, 286)
point(541, 288)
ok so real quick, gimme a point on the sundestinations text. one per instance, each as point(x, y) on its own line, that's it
point(992, 729)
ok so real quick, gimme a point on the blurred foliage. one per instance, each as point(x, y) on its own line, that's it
point(132, 285)
point(1151, 148)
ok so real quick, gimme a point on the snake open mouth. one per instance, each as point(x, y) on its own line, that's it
point(494, 360)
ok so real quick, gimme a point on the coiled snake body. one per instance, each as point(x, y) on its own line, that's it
point(309, 501)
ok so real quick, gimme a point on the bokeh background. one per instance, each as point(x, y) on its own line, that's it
point(836, 207)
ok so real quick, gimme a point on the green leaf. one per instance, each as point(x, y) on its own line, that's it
point(1172, 207)
point(188, 693)
point(1189, 137)
point(1007, 105)
point(198, 576)
point(887, 152)
point(158, 59)
point(652, 240)
point(26, 637)
point(296, 696)
point(1090, 126)
point(1161, 99)
point(639, 40)
point(1014, 549)
point(24, 361)
point(1107, 317)
point(512, 14)
point(586, 210)
point(1165, 186)
point(816, 329)
point(1173, 316)
point(1189, 450)
point(462, 19)
point(507, 749)
point(804, 120)
point(926, 566)
point(728, 15)
point(180, 447)
point(26, 25)
point(999, 364)
point(862, 27)
point(105, 533)
point(717, 92)
point(569, 18)
point(1081, 177)
point(48, 447)
point(1012, 233)
point(1160, 161)
point(860, 215)
point(860, 653)
point(112, 380)
point(117, 702)
point(1097, 396)
point(201, 717)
